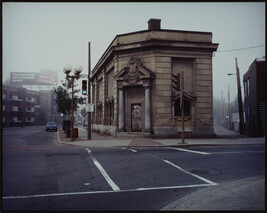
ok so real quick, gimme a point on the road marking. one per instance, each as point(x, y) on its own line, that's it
point(129, 149)
point(103, 172)
point(237, 152)
point(102, 192)
point(188, 150)
point(226, 152)
point(199, 177)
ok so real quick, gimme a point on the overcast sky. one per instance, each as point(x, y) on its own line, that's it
point(50, 35)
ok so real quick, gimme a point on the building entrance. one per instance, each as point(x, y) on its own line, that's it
point(136, 118)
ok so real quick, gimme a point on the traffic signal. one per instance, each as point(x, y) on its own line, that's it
point(176, 81)
point(84, 87)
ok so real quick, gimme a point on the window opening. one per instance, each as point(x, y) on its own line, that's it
point(178, 110)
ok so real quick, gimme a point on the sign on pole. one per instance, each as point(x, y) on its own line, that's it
point(90, 108)
point(83, 76)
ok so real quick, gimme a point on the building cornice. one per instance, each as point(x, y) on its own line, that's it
point(161, 39)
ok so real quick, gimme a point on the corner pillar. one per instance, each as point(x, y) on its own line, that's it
point(148, 108)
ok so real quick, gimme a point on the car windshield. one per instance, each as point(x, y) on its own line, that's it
point(51, 123)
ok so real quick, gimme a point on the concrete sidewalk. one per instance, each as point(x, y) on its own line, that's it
point(109, 141)
point(245, 194)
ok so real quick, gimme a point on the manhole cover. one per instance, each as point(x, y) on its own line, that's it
point(199, 171)
point(210, 171)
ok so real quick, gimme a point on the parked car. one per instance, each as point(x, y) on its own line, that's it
point(51, 126)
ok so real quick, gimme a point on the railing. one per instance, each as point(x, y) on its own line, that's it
point(15, 98)
point(29, 120)
point(16, 120)
point(29, 109)
point(15, 109)
point(31, 100)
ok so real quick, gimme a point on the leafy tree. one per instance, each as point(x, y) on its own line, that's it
point(63, 97)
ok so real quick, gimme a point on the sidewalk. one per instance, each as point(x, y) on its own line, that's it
point(222, 132)
point(244, 194)
point(109, 141)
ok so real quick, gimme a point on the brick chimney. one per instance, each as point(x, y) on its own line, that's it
point(154, 24)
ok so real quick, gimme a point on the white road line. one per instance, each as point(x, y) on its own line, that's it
point(201, 178)
point(102, 192)
point(226, 152)
point(188, 150)
point(129, 149)
point(103, 172)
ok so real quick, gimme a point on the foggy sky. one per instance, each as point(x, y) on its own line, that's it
point(51, 35)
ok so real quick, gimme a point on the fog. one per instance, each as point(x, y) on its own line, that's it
point(48, 36)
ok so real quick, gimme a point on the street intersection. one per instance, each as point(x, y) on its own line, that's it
point(41, 174)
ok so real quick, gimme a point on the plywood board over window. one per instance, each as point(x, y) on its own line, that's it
point(185, 65)
point(110, 83)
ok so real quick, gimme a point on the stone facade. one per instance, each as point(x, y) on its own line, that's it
point(132, 83)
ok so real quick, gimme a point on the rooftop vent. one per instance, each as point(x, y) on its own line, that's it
point(154, 24)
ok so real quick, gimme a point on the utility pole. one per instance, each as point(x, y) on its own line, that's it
point(223, 107)
point(229, 109)
point(89, 92)
point(182, 99)
point(240, 105)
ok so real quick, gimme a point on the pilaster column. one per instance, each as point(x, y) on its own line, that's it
point(148, 108)
point(121, 109)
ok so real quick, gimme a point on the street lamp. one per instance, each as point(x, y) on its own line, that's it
point(67, 70)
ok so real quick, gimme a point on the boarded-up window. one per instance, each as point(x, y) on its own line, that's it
point(110, 83)
point(185, 65)
point(100, 90)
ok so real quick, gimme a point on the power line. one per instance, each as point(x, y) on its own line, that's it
point(245, 48)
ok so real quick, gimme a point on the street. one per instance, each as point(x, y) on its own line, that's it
point(40, 174)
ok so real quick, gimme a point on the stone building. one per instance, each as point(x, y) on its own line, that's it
point(133, 89)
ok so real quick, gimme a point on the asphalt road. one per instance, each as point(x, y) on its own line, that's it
point(39, 174)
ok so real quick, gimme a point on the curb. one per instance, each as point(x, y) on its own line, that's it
point(156, 146)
